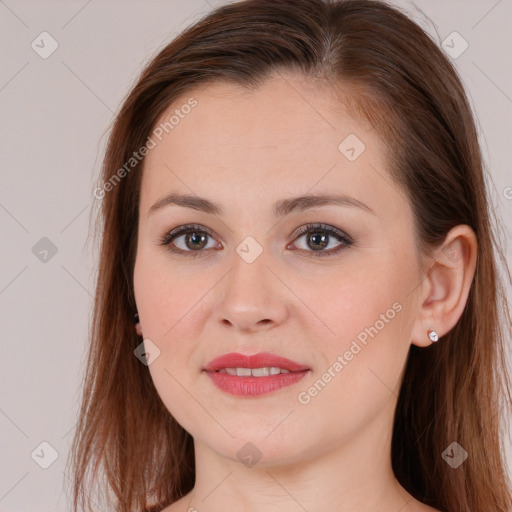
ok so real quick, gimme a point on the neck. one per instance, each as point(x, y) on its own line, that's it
point(356, 476)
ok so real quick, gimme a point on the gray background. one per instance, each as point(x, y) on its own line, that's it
point(56, 112)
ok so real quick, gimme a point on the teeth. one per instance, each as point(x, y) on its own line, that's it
point(260, 372)
point(254, 372)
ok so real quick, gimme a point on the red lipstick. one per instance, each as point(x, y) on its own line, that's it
point(251, 375)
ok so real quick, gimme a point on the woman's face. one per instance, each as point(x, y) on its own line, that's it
point(248, 282)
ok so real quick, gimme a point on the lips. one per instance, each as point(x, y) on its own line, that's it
point(260, 360)
point(267, 373)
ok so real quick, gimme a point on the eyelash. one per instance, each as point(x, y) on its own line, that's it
point(167, 238)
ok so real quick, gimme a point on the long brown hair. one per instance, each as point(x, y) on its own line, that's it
point(394, 75)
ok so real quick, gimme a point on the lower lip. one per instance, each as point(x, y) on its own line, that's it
point(253, 386)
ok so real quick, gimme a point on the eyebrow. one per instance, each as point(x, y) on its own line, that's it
point(281, 208)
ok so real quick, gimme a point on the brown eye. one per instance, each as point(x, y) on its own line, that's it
point(194, 240)
point(317, 241)
point(320, 236)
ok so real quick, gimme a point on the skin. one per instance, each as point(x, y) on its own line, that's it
point(245, 150)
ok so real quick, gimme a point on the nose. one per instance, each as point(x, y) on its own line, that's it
point(252, 296)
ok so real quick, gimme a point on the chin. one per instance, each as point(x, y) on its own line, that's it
point(264, 445)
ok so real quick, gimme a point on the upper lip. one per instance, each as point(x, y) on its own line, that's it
point(260, 360)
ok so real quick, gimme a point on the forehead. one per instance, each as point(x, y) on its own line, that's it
point(285, 113)
point(287, 136)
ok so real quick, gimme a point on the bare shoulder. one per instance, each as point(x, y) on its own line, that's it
point(179, 506)
point(413, 506)
point(417, 506)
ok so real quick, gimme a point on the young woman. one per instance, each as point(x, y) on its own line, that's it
point(294, 212)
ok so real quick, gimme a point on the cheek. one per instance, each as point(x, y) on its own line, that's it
point(347, 301)
point(165, 300)
point(361, 376)
point(367, 311)
point(368, 329)
point(165, 293)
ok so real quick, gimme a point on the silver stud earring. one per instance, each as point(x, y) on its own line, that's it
point(432, 335)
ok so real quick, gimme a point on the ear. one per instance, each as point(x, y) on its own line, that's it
point(445, 289)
